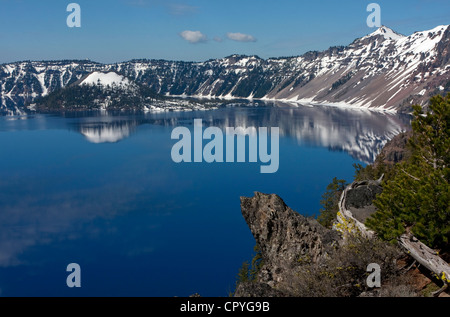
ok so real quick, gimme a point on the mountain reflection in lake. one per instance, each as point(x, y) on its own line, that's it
point(108, 132)
point(360, 133)
point(101, 190)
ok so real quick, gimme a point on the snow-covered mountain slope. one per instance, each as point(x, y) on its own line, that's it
point(99, 90)
point(383, 70)
point(112, 91)
point(106, 79)
point(387, 33)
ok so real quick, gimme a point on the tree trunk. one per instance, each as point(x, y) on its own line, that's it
point(426, 256)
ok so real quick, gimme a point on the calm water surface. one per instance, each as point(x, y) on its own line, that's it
point(101, 190)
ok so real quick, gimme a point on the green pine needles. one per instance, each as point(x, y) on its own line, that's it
point(416, 196)
point(329, 202)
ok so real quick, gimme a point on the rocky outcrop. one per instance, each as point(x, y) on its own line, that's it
point(355, 206)
point(300, 257)
point(286, 239)
point(359, 199)
point(395, 151)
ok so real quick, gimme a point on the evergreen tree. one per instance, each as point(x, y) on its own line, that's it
point(329, 202)
point(244, 273)
point(416, 199)
point(257, 263)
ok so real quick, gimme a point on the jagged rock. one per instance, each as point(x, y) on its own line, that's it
point(285, 237)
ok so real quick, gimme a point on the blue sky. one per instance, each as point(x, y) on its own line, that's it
point(120, 30)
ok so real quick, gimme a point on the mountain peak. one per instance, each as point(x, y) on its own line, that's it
point(387, 33)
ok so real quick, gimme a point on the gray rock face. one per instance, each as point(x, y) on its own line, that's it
point(359, 199)
point(285, 237)
point(396, 150)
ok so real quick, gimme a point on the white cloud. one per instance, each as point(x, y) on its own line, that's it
point(240, 37)
point(218, 39)
point(194, 36)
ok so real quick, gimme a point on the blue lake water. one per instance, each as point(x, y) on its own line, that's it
point(101, 190)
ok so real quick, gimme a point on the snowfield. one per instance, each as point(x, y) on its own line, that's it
point(106, 79)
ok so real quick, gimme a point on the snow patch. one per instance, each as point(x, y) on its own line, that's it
point(105, 79)
point(387, 33)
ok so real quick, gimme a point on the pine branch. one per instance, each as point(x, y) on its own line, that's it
point(413, 177)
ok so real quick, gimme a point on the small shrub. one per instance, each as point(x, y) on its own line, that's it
point(344, 273)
